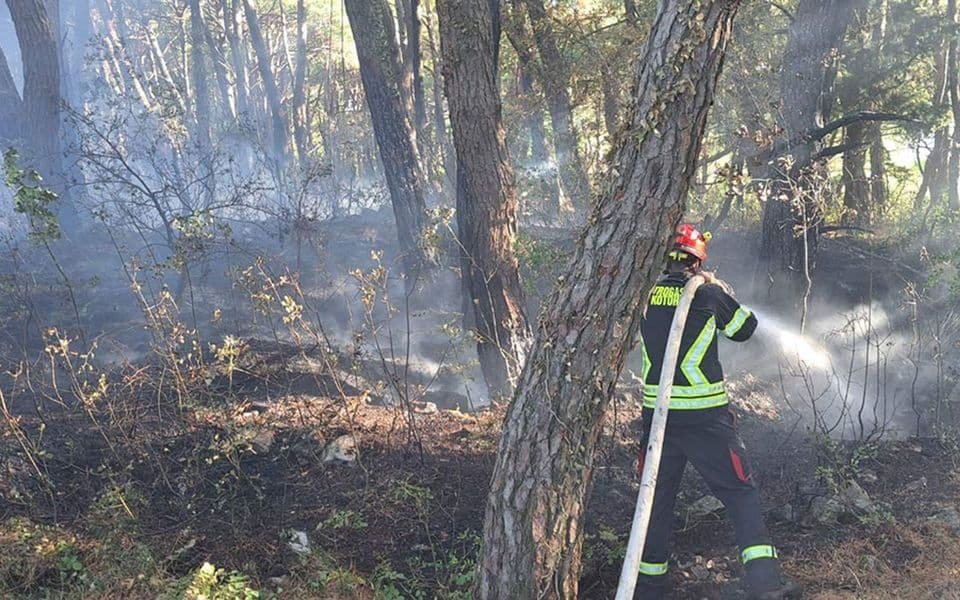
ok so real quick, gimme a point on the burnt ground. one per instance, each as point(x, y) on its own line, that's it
point(127, 496)
point(136, 495)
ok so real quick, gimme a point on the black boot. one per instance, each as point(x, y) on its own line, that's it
point(788, 590)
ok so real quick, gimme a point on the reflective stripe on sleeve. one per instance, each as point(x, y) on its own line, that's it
point(647, 365)
point(755, 552)
point(691, 362)
point(739, 318)
point(653, 569)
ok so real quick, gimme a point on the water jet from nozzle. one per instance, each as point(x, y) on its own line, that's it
point(791, 343)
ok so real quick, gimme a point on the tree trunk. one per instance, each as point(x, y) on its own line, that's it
point(83, 30)
point(40, 117)
point(381, 72)
point(201, 91)
point(792, 210)
point(533, 532)
point(10, 105)
point(265, 68)
point(539, 158)
point(486, 197)
point(611, 101)
point(440, 140)
point(413, 58)
point(300, 130)
point(953, 85)
point(233, 25)
point(116, 39)
point(555, 77)
point(218, 60)
point(935, 166)
point(878, 171)
point(539, 164)
point(856, 188)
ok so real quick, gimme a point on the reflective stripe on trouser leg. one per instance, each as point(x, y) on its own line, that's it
point(754, 552)
point(653, 569)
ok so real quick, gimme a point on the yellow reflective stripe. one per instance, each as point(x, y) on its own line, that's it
point(739, 318)
point(694, 356)
point(690, 391)
point(653, 569)
point(647, 365)
point(690, 403)
point(755, 552)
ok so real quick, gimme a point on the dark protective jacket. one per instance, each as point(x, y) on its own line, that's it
point(698, 381)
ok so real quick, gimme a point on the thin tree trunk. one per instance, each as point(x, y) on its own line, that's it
point(267, 77)
point(539, 165)
point(233, 24)
point(934, 168)
point(198, 73)
point(164, 69)
point(486, 195)
point(381, 72)
point(83, 30)
point(11, 107)
point(300, 134)
point(878, 170)
point(953, 85)
point(533, 527)
point(116, 32)
point(441, 141)
point(413, 58)
point(220, 69)
point(611, 101)
point(555, 77)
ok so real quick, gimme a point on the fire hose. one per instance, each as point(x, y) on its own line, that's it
point(651, 465)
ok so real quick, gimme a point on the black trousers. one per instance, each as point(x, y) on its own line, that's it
point(708, 439)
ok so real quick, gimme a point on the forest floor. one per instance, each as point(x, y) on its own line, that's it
point(250, 483)
point(247, 484)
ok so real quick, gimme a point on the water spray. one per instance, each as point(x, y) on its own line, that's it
point(792, 343)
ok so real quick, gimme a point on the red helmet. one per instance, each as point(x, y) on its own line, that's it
point(691, 241)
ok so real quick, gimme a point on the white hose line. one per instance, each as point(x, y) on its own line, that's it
point(651, 465)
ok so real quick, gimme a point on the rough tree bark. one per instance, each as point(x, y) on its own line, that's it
point(486, 196)
point(381, 72)
point(555, 78)
point(790, 228)
point(533, 524)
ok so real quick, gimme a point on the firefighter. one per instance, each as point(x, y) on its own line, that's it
point(700, 426)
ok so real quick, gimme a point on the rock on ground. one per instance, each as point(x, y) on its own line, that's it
point(342, 449)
